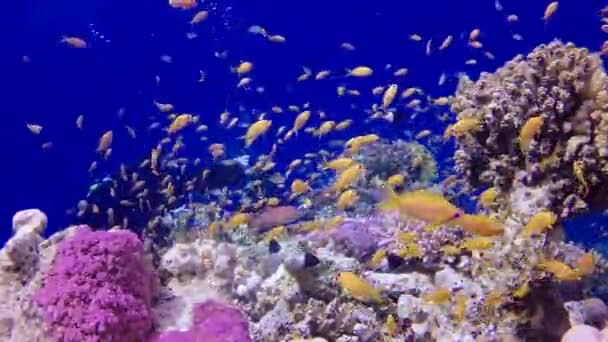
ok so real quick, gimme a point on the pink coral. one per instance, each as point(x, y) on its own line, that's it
point(98, 289)
point(213, 322)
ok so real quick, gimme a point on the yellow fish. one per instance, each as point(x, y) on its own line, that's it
point(390, 325)
point(300, 121)
point(105, 142)
point(408, 92)
point(476, 244)
point(460, 307)
point(585, 265)
point(441, 101)
point(401, 72)
point(479, 225)
point(550, 11)
point(528, 131)
point(179, 123)
point(273, 202)
point(461, 127)
point(422, 205)
point(438, 296)
point(450, 250)
point(325, 128)
point(299, 187)
point(356, 143)
point(446, 43)
point(339, 164)
point(522, 291)
point(342, 125)
point(256, 130)
point(349, 177)
point(347, 199)
point(322, 75)
point(334, 221)
point(377, 258)
point(358, 288)
point(389, 96)
point(164, 107)
point(560, 270)
point(74, 42)
point(578, 167)
point(244, 68)
point(274, 233)
point(361, 71)
point(238, 219)
point(488, 197)
point(405, 237)
point(411, 250)
point(199, 17)
point(540, 222)
point(243, 82)
point(396, 180)
point(277, 38)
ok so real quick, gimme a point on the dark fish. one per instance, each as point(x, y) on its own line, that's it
point(394, 261)
point(274, 247)
point(310, 260)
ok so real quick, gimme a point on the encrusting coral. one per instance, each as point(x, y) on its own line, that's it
point(540, 122)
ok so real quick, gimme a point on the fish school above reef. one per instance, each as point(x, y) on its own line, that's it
point(357, 241)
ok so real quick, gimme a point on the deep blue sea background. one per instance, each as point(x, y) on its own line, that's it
point(61, 83)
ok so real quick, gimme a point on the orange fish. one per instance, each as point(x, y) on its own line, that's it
point(105, 142)
point(179, 123)
point(479, 225)
point(422, 205)
point(74, 42)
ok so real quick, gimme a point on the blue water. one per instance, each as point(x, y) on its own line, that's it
point(117, 73)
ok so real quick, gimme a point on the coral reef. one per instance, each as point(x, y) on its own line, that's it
point(212, 322)
point(539, 122)
point(98, 288)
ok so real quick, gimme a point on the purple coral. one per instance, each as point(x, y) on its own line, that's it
point(362, 236)
point(212, 322)
point(98, 289)
point(358, 236)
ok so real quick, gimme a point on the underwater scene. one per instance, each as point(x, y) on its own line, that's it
point(321, 171)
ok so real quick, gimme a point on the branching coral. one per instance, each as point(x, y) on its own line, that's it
point(98, 289)
point(539, 120)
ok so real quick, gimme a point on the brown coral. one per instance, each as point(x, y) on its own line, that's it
point(567, 87)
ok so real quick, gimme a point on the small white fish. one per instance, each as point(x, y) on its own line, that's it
point(498, 6)
point(429, 47)
point(166, 59)
point(442, 79)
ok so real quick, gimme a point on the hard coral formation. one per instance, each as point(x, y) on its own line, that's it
point(410, 159)
point(567, 154)
point(98, 288)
